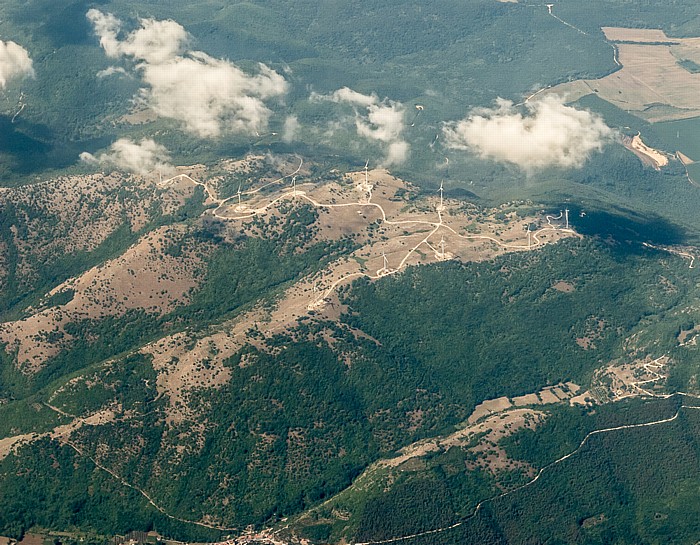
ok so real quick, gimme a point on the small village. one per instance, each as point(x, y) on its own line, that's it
point(248, 537)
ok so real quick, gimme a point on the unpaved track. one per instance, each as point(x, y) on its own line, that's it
point(295, 193)
point(534, 480)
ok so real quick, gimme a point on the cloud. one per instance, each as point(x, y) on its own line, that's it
point(353, 97)
point(107, 27)
point(291, 129)
point(154, 42)
point(548, 134)
point(382, 121)
point(110, 71)
point(142, 158)
point(397, 153)
point(14, 62)
point(209, 96)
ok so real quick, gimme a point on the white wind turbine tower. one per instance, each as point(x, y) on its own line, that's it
point(318, 300)
point(441, 207)
point(529, 237)
point(294, 186)
point(567, 218)
point(386, 263)
point(365, 187)
point(239, 194)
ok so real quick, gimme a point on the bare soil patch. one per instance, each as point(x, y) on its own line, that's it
point(594, 332)
point(9, 445)
point(591, 522)
point(144, 277)
point(688, 336)
point(684, 158)
point(488, 407)
point(648, 156)
point(620, 380)
point(564, 287)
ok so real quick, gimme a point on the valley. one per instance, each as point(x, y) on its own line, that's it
point(311, 273)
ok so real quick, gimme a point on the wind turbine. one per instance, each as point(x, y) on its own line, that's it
point(294, 186)
point(366, 180)
point(239, 194)
point(441, 192)
point(419, 110)
point(567, 217)
point(386, 262)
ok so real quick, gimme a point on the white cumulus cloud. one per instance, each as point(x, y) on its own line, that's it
point(141, 157)
point(14, 62)
point(397, 153)
point(154, 42)
point(110, 71)
point(107, 27)
point(350, 96)
point(382, 121)
point(209, 96)
point(548, 133)
point(291, 129)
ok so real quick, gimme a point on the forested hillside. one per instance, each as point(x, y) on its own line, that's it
point(349, 272)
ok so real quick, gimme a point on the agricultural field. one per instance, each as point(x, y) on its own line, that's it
point(653, 82)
